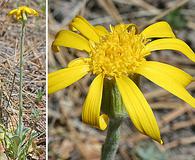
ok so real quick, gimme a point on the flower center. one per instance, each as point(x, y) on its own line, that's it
point(119, 52)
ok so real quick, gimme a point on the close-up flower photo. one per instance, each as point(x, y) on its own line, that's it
point(121, 86)
point(118, 57)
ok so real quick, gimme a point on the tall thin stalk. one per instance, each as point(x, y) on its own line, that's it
point(22, 35)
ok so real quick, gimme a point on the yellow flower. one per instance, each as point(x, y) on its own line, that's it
point(18, 12)
point(118, 55)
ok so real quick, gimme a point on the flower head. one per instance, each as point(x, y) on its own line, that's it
point(19, 12)
point(118, 55)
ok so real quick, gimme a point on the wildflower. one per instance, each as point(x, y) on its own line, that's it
point(18, 12)
point(118, 55)
point(21, 14)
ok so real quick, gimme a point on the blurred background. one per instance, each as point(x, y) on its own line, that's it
point(34, 72)
point(69, 138)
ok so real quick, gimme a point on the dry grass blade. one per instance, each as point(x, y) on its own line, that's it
point(181, 141)
point(164, 13)
point(110, 8)
point(144, 5)
point(67, 19)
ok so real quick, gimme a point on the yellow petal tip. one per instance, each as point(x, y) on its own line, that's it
point(103, 122)
point(55, 48)
point(161, 141)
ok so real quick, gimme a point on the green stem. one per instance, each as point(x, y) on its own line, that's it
point(112, 105)
point(20, 125)
point(111, 144)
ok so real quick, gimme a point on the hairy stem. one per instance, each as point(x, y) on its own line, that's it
point(20, 125)
point(111, 144)
point(112, 105)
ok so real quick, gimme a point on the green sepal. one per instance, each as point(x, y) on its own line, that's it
point(24, 17)
point(112, 104)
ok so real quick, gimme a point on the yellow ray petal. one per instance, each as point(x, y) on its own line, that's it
point(138, 108)
point(100, 30)
point(178, 75)
point(27, 10)
point(31, 11)
point(14, 11)
point(85, 28)
point(172, 44)
point(166, 81)
point(78, 62)
point(64, 77)
point(83, 19)
point(70, 39)
point(91, 108)
point(158, 30)
point(34, 12)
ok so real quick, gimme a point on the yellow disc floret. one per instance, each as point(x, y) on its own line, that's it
point(119, 52)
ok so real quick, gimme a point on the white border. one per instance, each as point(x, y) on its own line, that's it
point(46, 36)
